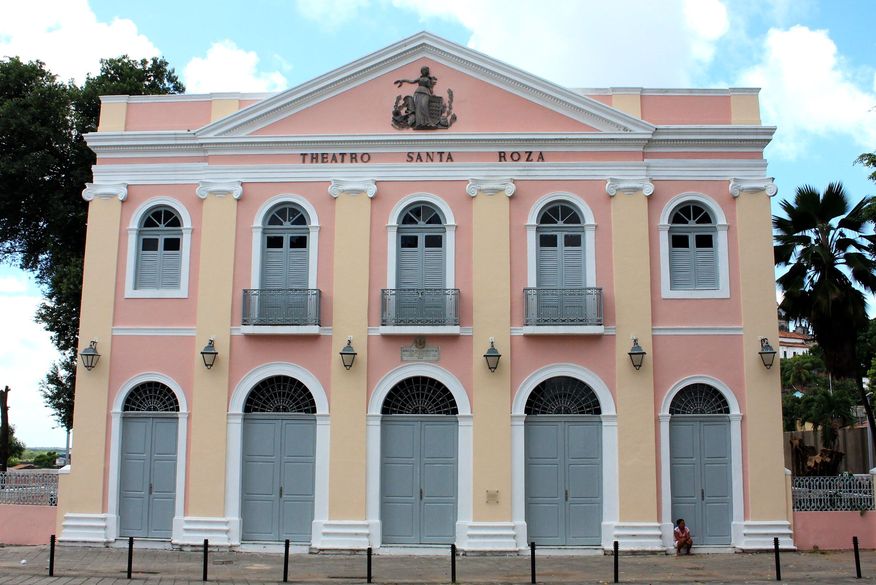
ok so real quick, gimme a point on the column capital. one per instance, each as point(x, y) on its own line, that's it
point(105, 191)
point(219, 189)
point(643, 184)
point(339, 186)
point(490, 186)
point(765, 184)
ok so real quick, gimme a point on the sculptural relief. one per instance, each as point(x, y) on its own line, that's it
point(423, 110)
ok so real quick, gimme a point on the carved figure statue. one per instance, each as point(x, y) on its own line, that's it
point(423, 110)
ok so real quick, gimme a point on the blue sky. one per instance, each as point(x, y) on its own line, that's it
point(813, 60)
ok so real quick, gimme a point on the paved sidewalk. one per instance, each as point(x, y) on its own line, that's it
point(107, 566)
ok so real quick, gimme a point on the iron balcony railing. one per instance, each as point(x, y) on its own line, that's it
point(419, 306)
point(562, 306)
point(845, 492)
point(281, 306)
point(29, 488)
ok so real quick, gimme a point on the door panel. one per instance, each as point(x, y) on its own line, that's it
point(400, 481)
point(438, 481)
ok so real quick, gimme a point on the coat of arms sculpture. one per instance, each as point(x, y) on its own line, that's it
point(424, 110)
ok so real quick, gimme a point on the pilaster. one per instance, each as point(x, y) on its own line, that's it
point(347, 523)
point(491, 525)
point(81, 514)
point(206, 503)
point(637, 468)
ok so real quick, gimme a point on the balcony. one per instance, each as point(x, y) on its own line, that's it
point(563, 311)
point(269, 311)
point(423, 311)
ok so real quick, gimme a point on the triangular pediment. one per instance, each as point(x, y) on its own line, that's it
point(489, 96)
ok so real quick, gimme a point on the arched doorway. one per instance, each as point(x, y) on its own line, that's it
point(278, 461)
point(418, 463)
point(701, 463)
point(147, 482)
point(563, 463)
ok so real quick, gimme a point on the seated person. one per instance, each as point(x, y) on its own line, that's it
point(683, 539)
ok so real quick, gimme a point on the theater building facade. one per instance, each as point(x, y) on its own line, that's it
point(430, 210)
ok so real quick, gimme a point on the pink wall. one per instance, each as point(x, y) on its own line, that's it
point(26, 524)
point(834, 530)
point(168, 115)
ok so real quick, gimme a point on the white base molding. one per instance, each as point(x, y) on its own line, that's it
point(759, 535)
point(85, 528)
point(341, 534)
point(195, 530)
point(487, 536)
point(645, 536)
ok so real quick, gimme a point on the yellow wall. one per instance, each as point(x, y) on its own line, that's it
point(219, 108)
point(637, 468)
point(491, 294)
point(206, 481)
point(744, 109)
point(112, 117)
point(349, 388)
point(81, 492)
point(628, 102)
point(763, 405)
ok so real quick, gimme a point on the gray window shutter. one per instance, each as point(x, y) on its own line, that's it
point(706, 267)
point(296, 268)
point(273, 268)
point(171, 262)
point(573, 261)
point(681, 263)
point(410, 266)
point(548, 272)
point(147, 264)
point(433, 261)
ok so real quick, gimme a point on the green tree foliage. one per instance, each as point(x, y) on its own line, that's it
point(45, 459)
point(830, 252)
point(16, 447)
point(868, 159)
point(829, 410)
point(792, 411)
point(801, 373)
point(44, 164)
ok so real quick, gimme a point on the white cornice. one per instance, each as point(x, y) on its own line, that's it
point(614, 185)
point(739, 186)
point(219, 189)
point(105, 191)
point(490, 186)
point(340, 186)
point(659, 169)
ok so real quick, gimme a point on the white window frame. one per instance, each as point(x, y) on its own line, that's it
point(588, 225)
point(392, 237)
point(721, 256)
point(131, 262)
point(312, 244)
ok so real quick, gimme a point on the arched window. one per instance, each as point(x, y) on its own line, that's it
point(280, 394)
point(693, 245)
point(699, 399)
point(159, 250)
point(285, 236)
point(419, 395)
point(421, 248)
point(151, 397)
point(562, 395)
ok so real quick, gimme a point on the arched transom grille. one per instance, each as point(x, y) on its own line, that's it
point(562, 395)
point(286, 216)
point(559, 214)
point(419, 395)
point(162, 217)
point(691, 214)
point(699, 399)
point(422, 214)
point(280, 394)
point(151, 397)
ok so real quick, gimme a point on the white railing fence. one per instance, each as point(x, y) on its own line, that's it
point(836, 493)
point(29, 488)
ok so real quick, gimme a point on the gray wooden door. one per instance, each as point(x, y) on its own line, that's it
point(147, 486)
point(560, 260)
point(284, 268)
point(563, 479)
point(418, 479)
point(700, 475)
point(421, 265)
point(278, 477)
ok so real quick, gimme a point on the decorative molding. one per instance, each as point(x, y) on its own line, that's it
point(463, 331)
point(352, 187)
point(759, 535)
point(341, 534)
point(487, 536)
point(490, 186)
point(643, 536)
point(195, 530)
point(613, 185)
point(563, 330)
point(705, 330)
point(765, 184)
point(105, 191)
point(84, 528)
point(155, 331)
point(517, 331)
point(279, 330)
point(321, 331)
point(219, 189)
point(420, 330)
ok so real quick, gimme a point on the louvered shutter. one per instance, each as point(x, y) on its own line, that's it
point(681, 262)
point(296, 278)
point(548, 276)
point(410, 266)
point(705, 262)
point(148, 260)
point(171, 262)
point(433, 261)
point(572, 302)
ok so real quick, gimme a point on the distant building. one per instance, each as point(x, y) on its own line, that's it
point(793, 343)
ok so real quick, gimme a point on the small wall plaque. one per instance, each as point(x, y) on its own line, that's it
point(418, 351)
point(492, 496)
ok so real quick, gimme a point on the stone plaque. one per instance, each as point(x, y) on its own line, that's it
point(418, 351)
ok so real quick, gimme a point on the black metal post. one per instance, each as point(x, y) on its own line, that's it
point(778, 563)
point(532, 561)
point(369, 564)
point(286, 561)
point(857, 557)
point(52, 556)
point(130, 555)
point(453, 563)
point(616, 561)
point(206, 545)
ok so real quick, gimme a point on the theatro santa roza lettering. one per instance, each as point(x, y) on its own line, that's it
point(334, 158)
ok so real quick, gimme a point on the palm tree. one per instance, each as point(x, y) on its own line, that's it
point(830, 260)
point(829, 411)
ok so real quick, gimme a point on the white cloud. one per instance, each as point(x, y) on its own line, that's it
point(808, 93)
point(67, 37)
point(26, 353)
point(584, 44)
point(331, 13)
point(229, 68)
